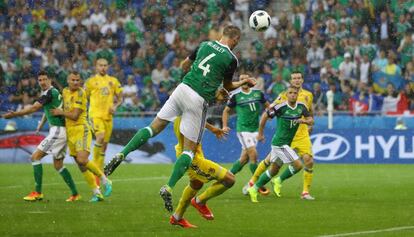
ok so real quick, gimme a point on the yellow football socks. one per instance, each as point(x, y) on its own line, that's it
point(259, 171)
point(97, 154)
point(90, 179)
point(184, 202)
point(307, 179)
point(101, 160)
point(213, 191)
point(94, 169)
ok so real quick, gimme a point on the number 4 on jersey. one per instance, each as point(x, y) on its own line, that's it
point(205, 67)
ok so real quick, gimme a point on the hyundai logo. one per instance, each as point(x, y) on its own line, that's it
point(329, 146)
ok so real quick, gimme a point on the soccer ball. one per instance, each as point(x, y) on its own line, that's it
point(259, 20)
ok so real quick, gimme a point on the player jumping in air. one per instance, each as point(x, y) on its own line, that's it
point(289, 115)
point(212, 64)
point(201, 171)
point(54, 143)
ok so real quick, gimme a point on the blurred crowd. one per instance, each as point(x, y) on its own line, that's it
point(362, 50)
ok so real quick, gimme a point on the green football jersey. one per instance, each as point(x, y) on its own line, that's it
point(286, 126)
point(248, 109)
point(213, 63)
point(51, 99)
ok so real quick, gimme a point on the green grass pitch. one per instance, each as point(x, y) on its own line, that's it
point(349, 199)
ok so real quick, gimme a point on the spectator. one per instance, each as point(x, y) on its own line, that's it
point(347, 70)
point(406, 49)
point(129, 91)
point(392, 68)
point(315, 57)
point(337, 98)
point(318, 99)
point(385, 31)
point(149, 97)
point(380, 61)
point(278, 85)
point(159, 74)
point(282, 70)
point(364, 69)
point(409, 94)
point(391, 98)
point(347, 94)
point(375, 100)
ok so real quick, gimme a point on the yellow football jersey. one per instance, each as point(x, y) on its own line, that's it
point(73, 100)
point(305, 97)
point(101, 91)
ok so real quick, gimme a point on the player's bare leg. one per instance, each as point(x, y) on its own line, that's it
point(141, 137)
point(216, 189)
point(307, 177)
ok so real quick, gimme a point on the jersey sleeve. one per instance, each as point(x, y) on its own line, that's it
point(228, 75)
point(305, 112)
point(310, 109)
point(46, 98)
point(262, 98)
point(193, 54)
point(273, 110)
point(117, 87)
point(232, 102)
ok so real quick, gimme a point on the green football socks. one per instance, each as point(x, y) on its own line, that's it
point(140, 138)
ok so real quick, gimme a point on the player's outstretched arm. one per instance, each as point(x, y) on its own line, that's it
point(28, 110)
point(72, 115)
point(186, 64)
point(306, 120)
point(41, 123)
point(262, 124)
point(225, 118)
point(243, 79)
point(220, 133)
point(119, 98)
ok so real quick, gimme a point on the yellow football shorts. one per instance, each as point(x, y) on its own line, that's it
point(202, 169)
point(102, 126)
point(302, 146)
point(79, 139)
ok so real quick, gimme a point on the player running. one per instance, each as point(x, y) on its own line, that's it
point(289, 116)
point(301, 142)
point(79, 135)
point(104, 93)
point(248, 104)
point(54, 143)
point(212, 64)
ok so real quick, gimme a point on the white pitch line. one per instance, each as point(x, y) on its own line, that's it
point(38, 212)
point(370, 231)
point(113, 180)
